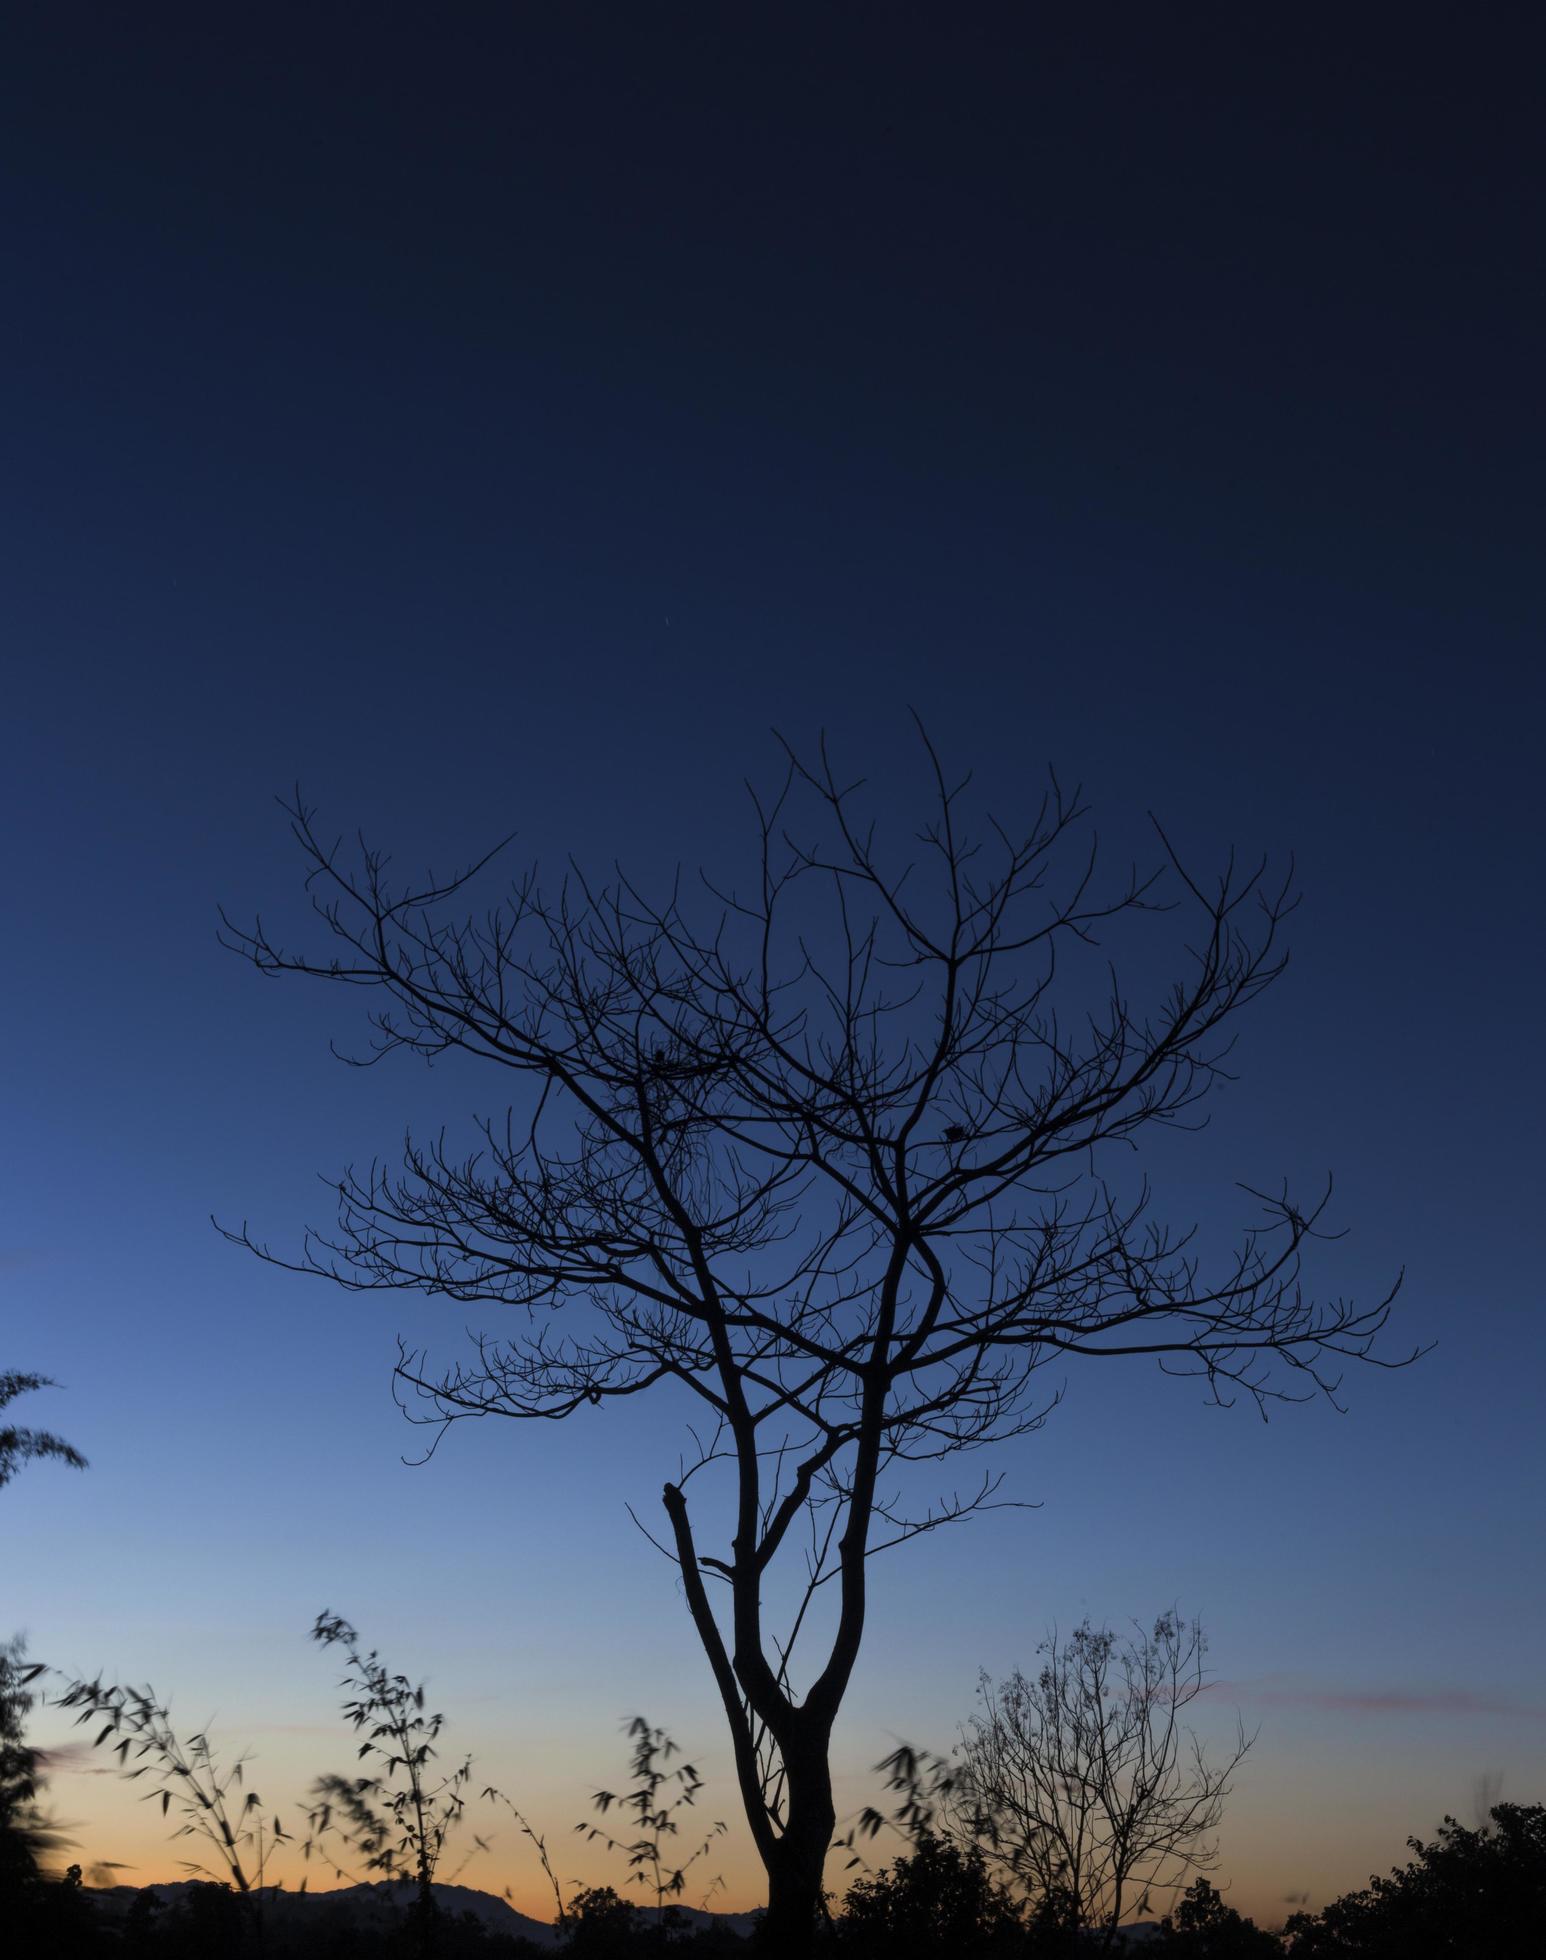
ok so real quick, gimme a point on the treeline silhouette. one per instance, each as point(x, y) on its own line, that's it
point(1469, 1895)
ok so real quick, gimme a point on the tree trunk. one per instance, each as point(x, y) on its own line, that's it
point(794, 1857)
point(796, 1919)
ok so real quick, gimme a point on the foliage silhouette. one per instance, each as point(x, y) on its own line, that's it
point(924, 1783)
point(398, 1819)
point(1204, 1926)
point(600, 1923)
point(1469, 1895)
point(824, 1153)
point(659, 1793)
point(187, 1778)
point(939, 1898)
point(25, 1833)
point(19, 1446)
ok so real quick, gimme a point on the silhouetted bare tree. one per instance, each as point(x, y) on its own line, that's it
point(824, 1154)
point(1083, 1783)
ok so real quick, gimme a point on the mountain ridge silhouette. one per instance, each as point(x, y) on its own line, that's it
point(381, 1902)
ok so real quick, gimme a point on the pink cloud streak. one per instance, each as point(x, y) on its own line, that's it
point(1273, 1692)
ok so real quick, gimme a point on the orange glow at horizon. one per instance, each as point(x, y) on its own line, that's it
point(1258, 1877)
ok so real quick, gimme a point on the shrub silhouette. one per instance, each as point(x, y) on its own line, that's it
point(600, 1923)
point(1470, 1895)
point(1204, 1926)
point(938, 1899)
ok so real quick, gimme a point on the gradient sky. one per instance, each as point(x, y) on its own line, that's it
point(498, 417)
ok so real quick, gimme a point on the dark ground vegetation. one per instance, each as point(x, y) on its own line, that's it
point(1468, 1895)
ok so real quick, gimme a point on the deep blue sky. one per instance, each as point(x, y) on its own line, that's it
point(499, 417)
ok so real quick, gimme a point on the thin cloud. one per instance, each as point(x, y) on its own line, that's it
point(74, 1759)
point(1277, 1693)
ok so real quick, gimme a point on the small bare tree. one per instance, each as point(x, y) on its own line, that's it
point(1084, 1785)
point(824, 1155)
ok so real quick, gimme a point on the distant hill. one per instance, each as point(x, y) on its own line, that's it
point(365, 1906)
point(744, 1923)
point(376, 1906)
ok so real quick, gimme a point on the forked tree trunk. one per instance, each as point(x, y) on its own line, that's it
point(793, 1848)
point(796, 1862)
